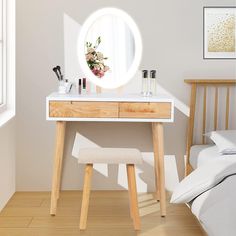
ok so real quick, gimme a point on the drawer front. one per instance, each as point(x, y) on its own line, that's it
point(160, 110)
point(83, 109)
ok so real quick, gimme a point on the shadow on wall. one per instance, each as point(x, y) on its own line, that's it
point(130, 135)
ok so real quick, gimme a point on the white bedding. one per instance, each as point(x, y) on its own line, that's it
point(216, 208)
point(202, 179)
point(202, 154)
point(215, 205)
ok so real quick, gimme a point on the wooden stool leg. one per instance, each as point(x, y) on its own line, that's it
point(60, 136)
point(133, 196)
point(86, 195)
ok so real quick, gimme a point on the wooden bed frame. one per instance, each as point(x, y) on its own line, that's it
point(195, 84)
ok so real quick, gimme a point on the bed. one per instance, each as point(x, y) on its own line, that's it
point(206, 114)
point(206, 153)
point(215, 208)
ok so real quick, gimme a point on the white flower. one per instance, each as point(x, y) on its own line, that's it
point(90, 50)
point(101, 65)
point(99, 56)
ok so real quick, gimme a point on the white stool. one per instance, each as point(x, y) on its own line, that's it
point(130, 157)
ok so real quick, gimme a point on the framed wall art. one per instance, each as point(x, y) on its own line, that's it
point(219, 36)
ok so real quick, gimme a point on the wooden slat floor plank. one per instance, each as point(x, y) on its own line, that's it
point(27, 214)
point(15, 222)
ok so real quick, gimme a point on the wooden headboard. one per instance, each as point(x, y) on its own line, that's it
point(205, 84)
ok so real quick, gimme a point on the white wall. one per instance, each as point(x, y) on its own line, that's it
point(7, 162)
point(172, 37)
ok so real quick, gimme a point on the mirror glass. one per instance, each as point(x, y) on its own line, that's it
point(109, 48)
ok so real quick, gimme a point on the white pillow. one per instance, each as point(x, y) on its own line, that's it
point(202, 179)
point(225, 140)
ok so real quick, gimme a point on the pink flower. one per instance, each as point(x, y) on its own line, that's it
point(98, 73)
point(101, 73)
point(99, 56)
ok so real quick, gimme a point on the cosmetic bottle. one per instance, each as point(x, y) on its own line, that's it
point(144, 82)
point(153, 82)
point(79, 87)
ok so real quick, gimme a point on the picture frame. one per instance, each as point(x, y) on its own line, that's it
point(219, 32)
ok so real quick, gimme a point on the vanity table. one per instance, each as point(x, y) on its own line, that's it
point(110, 108)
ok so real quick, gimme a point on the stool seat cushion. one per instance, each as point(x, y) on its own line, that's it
point(109, 156)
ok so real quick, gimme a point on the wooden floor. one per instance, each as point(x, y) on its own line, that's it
point(27, 214)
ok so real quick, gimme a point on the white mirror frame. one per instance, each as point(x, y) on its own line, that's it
point(81, 47)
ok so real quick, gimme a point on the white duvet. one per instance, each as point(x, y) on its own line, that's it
point(216, 208)
point(211, 192)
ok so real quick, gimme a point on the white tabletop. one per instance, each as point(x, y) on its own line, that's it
point(109, 97)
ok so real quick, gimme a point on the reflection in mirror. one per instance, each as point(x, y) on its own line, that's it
point(109, 48)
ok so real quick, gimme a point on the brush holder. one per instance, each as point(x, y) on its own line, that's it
point(64, 87)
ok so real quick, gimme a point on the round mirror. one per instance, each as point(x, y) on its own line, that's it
point(109, 48)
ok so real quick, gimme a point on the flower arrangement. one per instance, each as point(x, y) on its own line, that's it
point(95, 59)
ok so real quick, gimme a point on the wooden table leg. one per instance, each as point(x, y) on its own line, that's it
point(158, 146)
point(155, 151)
point(57, 167)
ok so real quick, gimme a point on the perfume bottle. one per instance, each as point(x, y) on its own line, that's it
point(144, 82)
point(153, 82)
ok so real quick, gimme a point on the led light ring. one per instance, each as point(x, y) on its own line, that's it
point(138, 48)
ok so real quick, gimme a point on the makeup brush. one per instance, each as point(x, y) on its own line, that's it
point(59, 70)
point(70, 87)
point(55, 70)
